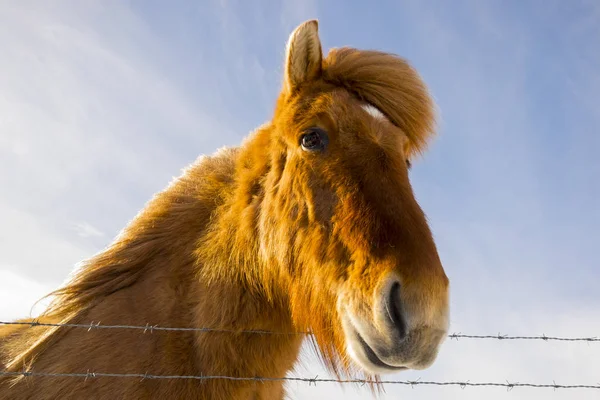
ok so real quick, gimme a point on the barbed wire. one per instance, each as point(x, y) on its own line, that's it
point(507, 337)
point(152, 328)
point(311, 381)
point(148, 328)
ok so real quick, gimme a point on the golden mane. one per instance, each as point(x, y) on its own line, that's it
point(147, 237)
point(389, 83)
point(122, 262)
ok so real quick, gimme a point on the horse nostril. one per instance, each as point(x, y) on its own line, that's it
point(394, 308)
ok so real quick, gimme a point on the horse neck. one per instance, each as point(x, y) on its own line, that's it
point(237, 290)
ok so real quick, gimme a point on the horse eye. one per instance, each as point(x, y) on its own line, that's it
point(314, 139)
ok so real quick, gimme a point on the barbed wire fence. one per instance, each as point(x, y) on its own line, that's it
point(88, 375)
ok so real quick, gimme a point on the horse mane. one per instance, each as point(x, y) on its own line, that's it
point(389, 83)
point(123, 263)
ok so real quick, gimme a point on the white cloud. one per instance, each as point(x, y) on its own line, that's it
point(89, 129)
point(85, 230)
point(19, 295)
point(33, 250)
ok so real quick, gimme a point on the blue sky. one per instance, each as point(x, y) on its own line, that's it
point(103, 102)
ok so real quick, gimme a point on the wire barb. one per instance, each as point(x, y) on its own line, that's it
point(509, 386)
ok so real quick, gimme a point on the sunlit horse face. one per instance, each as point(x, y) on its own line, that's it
point(340, 216)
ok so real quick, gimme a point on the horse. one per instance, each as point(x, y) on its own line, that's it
point(308, 229)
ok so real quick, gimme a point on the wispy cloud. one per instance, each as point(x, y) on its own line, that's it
point(90, 127)
point(20, 297)
point(85, 230)
point(35, 249)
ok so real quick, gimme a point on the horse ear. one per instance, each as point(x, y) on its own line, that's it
point(303, 55)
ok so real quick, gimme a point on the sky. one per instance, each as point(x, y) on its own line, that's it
point(102, 103)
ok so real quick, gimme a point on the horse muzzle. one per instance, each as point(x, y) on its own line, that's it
point(388, 338)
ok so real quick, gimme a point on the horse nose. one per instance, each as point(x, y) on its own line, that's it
point(395, 311)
